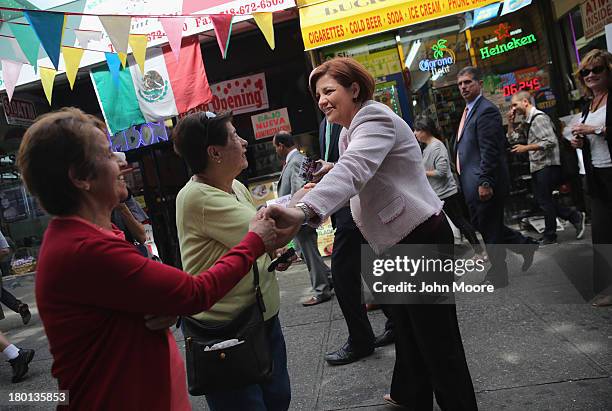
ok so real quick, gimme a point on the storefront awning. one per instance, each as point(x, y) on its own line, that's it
point(329, 22)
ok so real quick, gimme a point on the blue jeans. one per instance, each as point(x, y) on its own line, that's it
point(274, 395)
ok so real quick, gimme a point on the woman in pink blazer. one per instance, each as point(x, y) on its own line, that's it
point(380, 173)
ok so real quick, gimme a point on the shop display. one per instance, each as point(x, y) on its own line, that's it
point(387, 94)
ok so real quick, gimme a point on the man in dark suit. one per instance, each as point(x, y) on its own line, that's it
point(480, 156)
point(346, 270)
point(290, 182)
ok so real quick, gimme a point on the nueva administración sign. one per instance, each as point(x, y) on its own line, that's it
point(513, 43)
point(335, 21)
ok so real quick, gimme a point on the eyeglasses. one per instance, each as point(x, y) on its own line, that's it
point(595, 70)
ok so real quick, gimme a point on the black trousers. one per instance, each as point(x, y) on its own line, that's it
point(8, 299)
point(346, 274)
point(544, 182)
point(601, 226)
point(455, 210)
point(429, 355)
point(488, 218)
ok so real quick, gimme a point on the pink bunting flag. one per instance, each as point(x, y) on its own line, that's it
point(223, 29)
point(173, 26)
point(10, 75)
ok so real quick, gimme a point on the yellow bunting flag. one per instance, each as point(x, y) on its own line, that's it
point(138, 42)
point(72, 58)
point(122, 58)
point(47, 77)
point(265, 23)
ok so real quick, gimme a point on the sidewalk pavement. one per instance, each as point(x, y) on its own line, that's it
point(536, 345)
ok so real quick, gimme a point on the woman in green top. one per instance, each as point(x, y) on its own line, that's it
point(213, 211)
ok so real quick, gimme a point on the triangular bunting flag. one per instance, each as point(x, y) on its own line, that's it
point(17, 54)
point(85, 36)
point(72, 58)
point(47, 77)
point(118, 30)
point(114, 65)
point(173, 26)
point(265, 23)
point(28, 42)
point(138, 42)
point(49, 28)
point(122, 58)
point(10, 75)
point(223, 29)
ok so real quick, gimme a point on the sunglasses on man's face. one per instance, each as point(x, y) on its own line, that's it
point(595, 70)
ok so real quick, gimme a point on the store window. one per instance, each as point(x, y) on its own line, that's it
point(434, 53)
point(380, 56)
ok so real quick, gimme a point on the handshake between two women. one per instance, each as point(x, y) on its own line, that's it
point(278, 225)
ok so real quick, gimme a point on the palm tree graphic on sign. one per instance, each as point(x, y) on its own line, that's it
point(439, 48)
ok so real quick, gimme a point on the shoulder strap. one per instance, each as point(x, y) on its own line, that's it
point(258, 295)
point(531, 122)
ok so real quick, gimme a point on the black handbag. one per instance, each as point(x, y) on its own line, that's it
point(249, 362)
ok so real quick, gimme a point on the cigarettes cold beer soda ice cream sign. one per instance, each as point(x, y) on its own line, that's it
point(333, 21)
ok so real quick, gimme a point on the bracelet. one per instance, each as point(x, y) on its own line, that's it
point(308, 212)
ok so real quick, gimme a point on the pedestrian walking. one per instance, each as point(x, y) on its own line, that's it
point(346, 269)
point(544, 163)
point(440, 177)
point(480, 158)
point(593, 135)
point(289, 183)
point(8, 298)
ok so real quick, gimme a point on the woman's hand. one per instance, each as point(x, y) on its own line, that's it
point(577, 142)
point(288, 221)
point(297, 197)
point(265, 228)
point(324, 169)
point(159, 322)
point(582, 129)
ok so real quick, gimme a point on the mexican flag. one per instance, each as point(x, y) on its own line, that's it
point(166, 89)
point(119, 104)
point(153, 89)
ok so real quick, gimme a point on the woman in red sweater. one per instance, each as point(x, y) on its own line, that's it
point(106, 308)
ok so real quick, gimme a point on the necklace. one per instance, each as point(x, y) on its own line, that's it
point(596, 107)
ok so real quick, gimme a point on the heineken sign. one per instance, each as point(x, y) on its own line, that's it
point(515, 40)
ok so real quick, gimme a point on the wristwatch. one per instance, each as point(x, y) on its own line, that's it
point(599, 130)
point(485, 184)
point(308, 212)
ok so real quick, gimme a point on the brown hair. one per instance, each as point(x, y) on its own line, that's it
point(345, 71)
point(54, 144)
point(592, 58)
point(195, 133)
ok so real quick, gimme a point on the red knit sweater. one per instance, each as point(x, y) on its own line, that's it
point(92, 291)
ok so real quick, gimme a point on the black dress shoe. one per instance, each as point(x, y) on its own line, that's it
point(346, 355)
point(386, 338)
point(20, 364)
point(25, 314)
point(528, 254)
